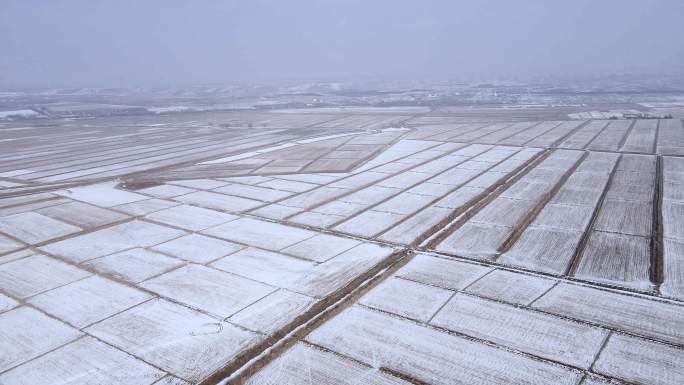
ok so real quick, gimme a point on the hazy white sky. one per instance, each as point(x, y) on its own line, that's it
point(155, 42)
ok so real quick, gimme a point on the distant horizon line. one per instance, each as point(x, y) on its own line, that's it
point(556, 80)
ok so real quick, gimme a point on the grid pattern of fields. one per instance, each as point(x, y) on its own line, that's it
point(545, 252)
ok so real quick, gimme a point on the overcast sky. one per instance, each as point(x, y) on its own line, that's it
point(169, 42)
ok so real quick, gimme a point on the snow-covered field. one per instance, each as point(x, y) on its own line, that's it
point(354, 110)
point(542, 252)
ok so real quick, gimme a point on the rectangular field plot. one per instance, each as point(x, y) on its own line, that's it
point(673, 227)
point(428, 355)
point(488, 229)
point(618, 250)
point(642, 137)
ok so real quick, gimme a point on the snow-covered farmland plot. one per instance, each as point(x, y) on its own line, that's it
point(346, 252)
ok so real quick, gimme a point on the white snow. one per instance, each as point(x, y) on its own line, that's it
point(18, 114)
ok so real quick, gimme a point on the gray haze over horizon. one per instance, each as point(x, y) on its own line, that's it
point(172, 42)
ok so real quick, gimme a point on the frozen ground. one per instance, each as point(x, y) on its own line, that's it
point(186, 252)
